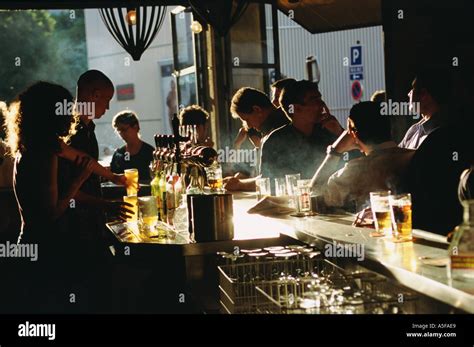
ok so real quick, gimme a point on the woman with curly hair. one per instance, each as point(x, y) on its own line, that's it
point(37, 133)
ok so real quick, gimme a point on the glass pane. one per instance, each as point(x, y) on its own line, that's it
point(187, 90)
point(248, 78)
point(184, 41)
point(252, 37)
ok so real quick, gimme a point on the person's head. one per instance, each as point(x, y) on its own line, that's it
point(95, 87)
point(367, 125)
point(37, 119)
point(251, 106)
point(431, 88)
point(302, 100)
point(277, 87)
point(195, 115)
point(126, 124)
point(379, 96)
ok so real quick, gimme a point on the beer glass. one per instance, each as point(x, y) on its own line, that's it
point(133, 201)
point(304, 195)
point(291, 188)
point(147, 215)
point(132, 181)
point(280, 187)
point(400, 207)
point(214, 177)
point(263, 187)
point(380, 205)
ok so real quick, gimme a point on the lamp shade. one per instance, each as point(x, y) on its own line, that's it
point(134, 28)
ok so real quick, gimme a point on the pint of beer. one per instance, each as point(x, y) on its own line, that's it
point(380, 205)
point(400, 206)
point(132, 181)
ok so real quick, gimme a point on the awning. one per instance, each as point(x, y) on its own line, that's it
point(320, 16)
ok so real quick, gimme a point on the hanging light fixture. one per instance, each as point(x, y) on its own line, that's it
point(222, 14)
point(134, 28)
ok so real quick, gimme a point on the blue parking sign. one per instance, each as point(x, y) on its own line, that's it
point(356, 55)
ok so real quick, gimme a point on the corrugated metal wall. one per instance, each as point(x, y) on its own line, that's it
point(330, 49)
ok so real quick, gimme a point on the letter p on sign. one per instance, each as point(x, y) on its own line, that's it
point(356, 55)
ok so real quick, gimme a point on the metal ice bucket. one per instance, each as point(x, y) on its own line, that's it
point(211, 217)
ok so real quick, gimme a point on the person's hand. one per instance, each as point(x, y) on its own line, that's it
point(231, 183)
point(332, 125)
point(364, 219)
point(241, 137)
point(84, 167)
point(119, 179)
point(118, 208)
point(344, 143)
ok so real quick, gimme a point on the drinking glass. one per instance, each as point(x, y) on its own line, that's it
point(132, 181)
point(304, 195)
point(291, 188)
point(280, 187)
point(400, 206)
point(147, 215)
point(214, 177)
point(133, 201)
point(263, 187)
point(380, 205)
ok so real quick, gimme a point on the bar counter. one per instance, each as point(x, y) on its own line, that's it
point(406, 263)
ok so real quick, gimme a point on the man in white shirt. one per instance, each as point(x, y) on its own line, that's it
point(430, 90)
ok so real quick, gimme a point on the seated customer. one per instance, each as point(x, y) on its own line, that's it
point(299, 147)
point(381, 168)
point(430, 95)
point(196, 115)
point(136, 153)
point(259, 118)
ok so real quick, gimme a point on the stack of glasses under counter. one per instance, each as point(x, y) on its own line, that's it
point(297, 279)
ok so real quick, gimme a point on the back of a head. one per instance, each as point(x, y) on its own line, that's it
point(379, 96)
point(193, 115)
point(294, 93)
point(280, 84)
point(246, 98)
point(437, 82)
point(41, 115)
point(125, 117)
point(371, 127)
point(93, 79)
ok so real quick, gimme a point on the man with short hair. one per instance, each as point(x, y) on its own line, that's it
point(196, 115)
point(257, 112)
point(135, 154)
point(255, 109)
point(299, 146)
point(277, 87)
point(381, 168)
point(84, 221)
point(431, 90)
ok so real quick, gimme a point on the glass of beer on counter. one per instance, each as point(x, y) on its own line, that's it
point(214, 177)
point(304, 195)
point(380, 205)
point(400, 207)
point(133, 201)
point(132, 181)
point(292, 188)
point(263, 187)
point(147, 215)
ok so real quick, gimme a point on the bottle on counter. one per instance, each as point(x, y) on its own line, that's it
point(461, 249)
point(155, 188)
